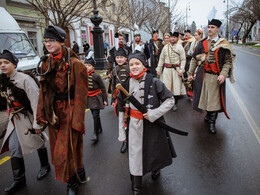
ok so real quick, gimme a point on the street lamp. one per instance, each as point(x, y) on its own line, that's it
point(227, 20)
point(97, 32)
point(187, 9)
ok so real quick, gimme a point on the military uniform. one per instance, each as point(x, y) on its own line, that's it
point(21, 91)
point(213, 58)
point(173, 60)
point(150, 147)
point(186, 43)
point(97, 95)
point(155, 47)
point(61, 106)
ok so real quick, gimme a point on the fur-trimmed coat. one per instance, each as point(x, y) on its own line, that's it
point(65, 120)
point(27, 119)
point(207, 94)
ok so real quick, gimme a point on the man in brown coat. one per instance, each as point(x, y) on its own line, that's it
point(215, 60)
point(61, 106)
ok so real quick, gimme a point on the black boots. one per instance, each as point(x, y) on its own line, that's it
point(124, 147)
point(206, 118)
point(45, 165)
point(97, 130)
point(155, 174)
point(82, 175)
point(212, 117)
point(72, 185)
point(100, 126)
point(136, 184)
point(18, 173)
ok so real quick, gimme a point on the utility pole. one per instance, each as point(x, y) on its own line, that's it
point(227, 30)
point(187, 9)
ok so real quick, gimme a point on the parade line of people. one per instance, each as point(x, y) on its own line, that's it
point(145, 82)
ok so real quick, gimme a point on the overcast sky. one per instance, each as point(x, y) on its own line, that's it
point(199, 9)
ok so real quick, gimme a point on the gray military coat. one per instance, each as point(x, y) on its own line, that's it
point(29, 142)
point(150, 147)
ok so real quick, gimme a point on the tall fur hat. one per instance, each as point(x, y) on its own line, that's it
point(55, 32)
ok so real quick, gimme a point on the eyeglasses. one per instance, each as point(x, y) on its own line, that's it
point(48, 41)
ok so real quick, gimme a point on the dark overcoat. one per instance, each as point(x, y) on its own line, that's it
point(96, 82)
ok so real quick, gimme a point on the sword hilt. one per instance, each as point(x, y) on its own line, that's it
point(120, 87)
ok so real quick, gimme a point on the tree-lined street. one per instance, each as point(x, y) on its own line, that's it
point(225, 163)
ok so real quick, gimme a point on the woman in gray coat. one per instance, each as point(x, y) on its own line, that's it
point(21, 92)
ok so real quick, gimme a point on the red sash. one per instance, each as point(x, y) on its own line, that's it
point(94, 92)
point(136, 114)
point(116, 91)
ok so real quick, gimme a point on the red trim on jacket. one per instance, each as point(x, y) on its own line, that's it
point(94, 92)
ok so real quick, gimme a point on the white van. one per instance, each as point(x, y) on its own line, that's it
point(15, 40)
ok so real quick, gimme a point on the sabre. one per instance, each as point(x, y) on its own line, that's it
point(143, 110)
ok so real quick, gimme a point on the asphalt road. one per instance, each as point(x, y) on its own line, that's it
point(225, 163)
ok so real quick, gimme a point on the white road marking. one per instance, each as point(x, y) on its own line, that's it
point(246, 113)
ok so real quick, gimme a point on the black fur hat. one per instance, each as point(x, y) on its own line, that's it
point(215, 22)
point(121, 52)
point(90, 61)
point(138, 55)
point(174, 34)
point(55, 32)
point(9, 56)
point(155, 31)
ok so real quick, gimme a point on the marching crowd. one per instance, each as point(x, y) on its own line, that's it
point(146, 81)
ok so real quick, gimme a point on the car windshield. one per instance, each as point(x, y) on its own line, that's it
point(17, 43)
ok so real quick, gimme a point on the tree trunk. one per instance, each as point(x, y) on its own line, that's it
point(249, 30)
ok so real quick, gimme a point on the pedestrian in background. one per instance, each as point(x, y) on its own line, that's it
point(61, 107)
point(85, 47)
point(139, 44)
point(214, 58)
point(155, 47)
point(198, 36)
point(97, 96)
point(188, 39)
point(166, 39)
point(21, 91)
point(75, 47)
point(119, 40)
point(106, 46)
point(119, 75)
point(173, 60)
